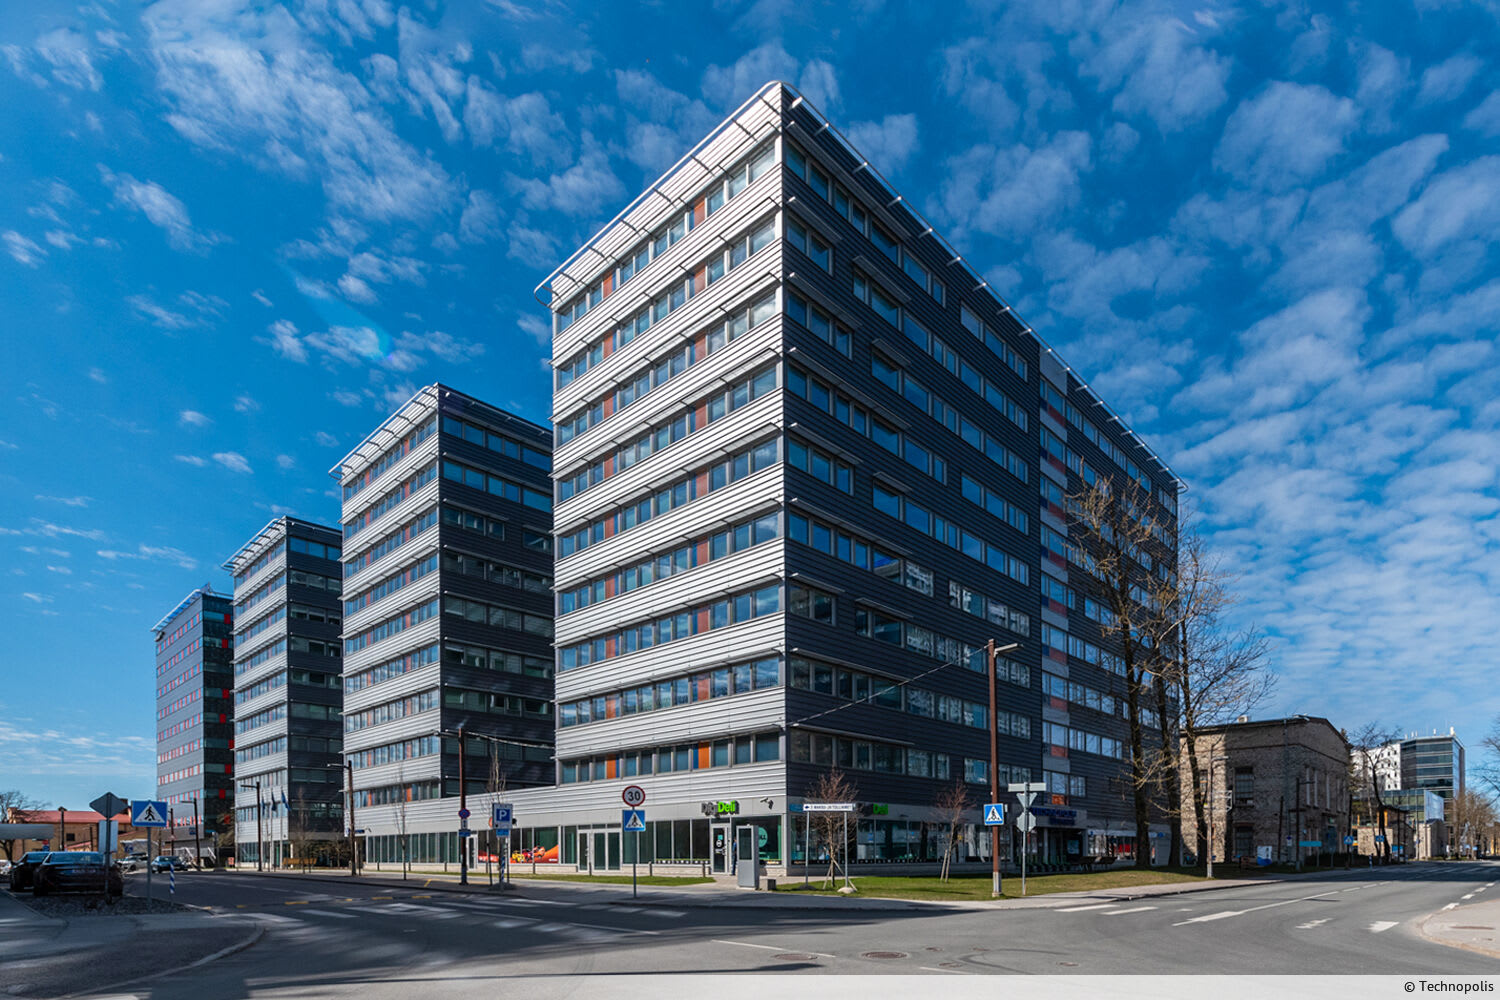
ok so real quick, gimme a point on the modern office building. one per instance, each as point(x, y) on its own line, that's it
point(194, 716)
point(287, 692)
point(1433, 763)
point(447, 604)
point(807, 464)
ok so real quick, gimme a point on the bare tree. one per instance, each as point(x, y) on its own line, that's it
point(1473, 813)
point(829, 827)
point(1489, 771)
point(1115, 534)
point(952, 803)
point(496, 786)
point(1364, 783)
point(11, 801)
point(1218, 672)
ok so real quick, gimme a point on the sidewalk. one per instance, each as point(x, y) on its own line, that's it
point(1473, 928)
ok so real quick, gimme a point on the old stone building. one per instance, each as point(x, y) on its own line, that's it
point(1277, 788)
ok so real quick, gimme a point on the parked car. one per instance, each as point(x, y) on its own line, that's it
point(4, 866)
point(22, 871)
point(77, 871)
point(131, 863)
point(165, 862)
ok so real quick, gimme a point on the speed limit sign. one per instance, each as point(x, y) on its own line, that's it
point(634, 795)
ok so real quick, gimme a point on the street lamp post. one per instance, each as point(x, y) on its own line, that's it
point(991, 652)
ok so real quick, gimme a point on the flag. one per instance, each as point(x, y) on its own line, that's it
point(284, 803)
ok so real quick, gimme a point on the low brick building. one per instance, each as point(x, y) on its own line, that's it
point(1276, 784)
point(75, 829)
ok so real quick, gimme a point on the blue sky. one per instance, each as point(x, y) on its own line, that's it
point(236, 235)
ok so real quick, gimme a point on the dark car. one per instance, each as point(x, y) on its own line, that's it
point(22, 872)
point(77, 871)
point(162, 862)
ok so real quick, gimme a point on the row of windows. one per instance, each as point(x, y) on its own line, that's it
point(812, 246)
point(991, 610)
point(864, 755)
point(945, 531)
point(815, 319)
point(736, 751)
point(498, 573)
point(667, 235)
point(416, 704)
point(501, 662)
point(497, 617)
point(1077, 739)
point(275, 617)
point(267, 749)
point(391, 542)
point(496, 485)
point(846, 411)
point(1056, 638)
point(259, 594)
point(820, 464)
point(699, 484)
point(859, 552)
point(316, 549)
point(698, 348)
point(1069, 785)
point(857, 686)
point(183, 726)
point(1081, 694)
point(316, 647)
point(392, 583)
point(494, 703)
point(306, 613)
point(175, 752)
point(316, 581)
point(694, 419)
point(390, 501)
point(698, 552)
point(417, 791)
point(1061, 407)
point(305, 678)
point(720, 614)
point(391, 668)
point(179, 656)
point(274, 552)
point(877, 625)
point(178, 775)
point(180, 703)
point(977, 494)
point(391, 753)
point(259, 688)
point(467, 520)
point(395, 454)
point(722, 682)
point(392, 626)
point(263, 718)
point(195, 670)
point(213, 618)
point(500, 444)
point(982, 331)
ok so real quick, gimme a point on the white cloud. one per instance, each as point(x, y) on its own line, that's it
point(260, 297)
point(191, 460)
point(1013, 191)
point(246, 403)
point(1448, 79)
point(356, 289)
point(481, 218)
point(285, 342)
point(152, 553)
point(22, 250)
point(233, 461)
point(1157, 67)
point(78, 501)
point(525, 125)
point(1458, 204)
point(888, 143)
point(192, 418)
point(729, 86)
point(582, 189)
point(1284, 135)
point(326, 439)
point(160, 207)
point(285, 462)
point(98, 375)
point(1485, 118)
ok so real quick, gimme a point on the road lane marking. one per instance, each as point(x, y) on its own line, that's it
point(769, 947)
point(331, 913)
point(1211, 916)
point(1312, 923)
point(928, 968)
point(1450, 906)
point(1481, 888)
point(1091, 906)
point(512, 923)
point(1381, 925)
point(1469, 896)
point(1133, 909)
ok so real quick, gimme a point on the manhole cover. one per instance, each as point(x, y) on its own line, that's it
point(884, 954)
point(793, 956)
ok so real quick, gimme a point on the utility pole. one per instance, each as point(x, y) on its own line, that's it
point(62, 828)
point(463, 813)
point(353, 844)
point(994, 773)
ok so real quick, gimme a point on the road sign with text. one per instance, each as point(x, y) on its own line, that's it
point(634, 796)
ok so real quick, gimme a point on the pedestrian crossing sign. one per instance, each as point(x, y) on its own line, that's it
point(634, 820)
point(994, 814)
point(148, 813)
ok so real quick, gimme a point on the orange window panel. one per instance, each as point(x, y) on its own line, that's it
point(611, 767)
point(704, 758)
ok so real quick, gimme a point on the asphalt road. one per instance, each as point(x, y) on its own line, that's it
point(328, 939)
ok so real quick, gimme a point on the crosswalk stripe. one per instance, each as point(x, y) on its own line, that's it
point(1091, 906)
point(1133, 909)
point(331, 913)
point(512, 923)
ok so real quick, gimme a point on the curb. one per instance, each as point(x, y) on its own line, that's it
point(1422, 933)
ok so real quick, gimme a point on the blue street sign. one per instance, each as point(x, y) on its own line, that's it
point(1380, 838)
point(463, 814)
point(994, 814)
point(633, 820)
point(501, 818)
point(1310, 843)
point(1348, 840)
point(148, 813)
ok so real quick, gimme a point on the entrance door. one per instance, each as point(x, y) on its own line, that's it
point(719, 843)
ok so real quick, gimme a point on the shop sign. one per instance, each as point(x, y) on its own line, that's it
point(1056, 817)
point(880, 809)
point(729, 808)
